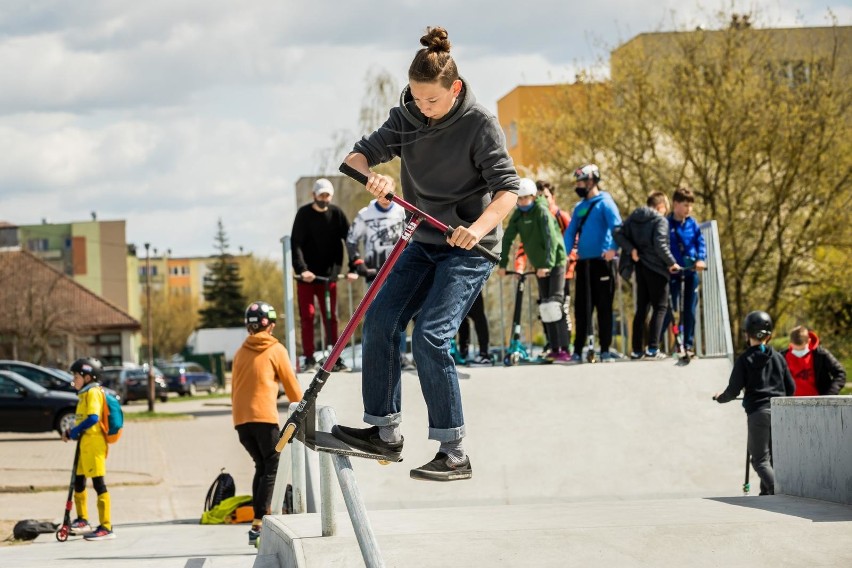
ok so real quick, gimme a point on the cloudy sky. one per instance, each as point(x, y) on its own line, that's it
point(172, 114)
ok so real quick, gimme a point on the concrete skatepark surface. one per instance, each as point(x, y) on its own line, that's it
point(622, 464)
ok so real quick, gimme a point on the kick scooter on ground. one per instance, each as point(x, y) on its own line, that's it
point(65, 527)
point(301, 423)
point(516, 353)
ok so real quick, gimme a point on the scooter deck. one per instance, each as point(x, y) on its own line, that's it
point(325, 442)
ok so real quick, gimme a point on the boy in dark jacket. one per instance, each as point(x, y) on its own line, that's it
point(763, 373)
point(644, 237)
point(814, 368)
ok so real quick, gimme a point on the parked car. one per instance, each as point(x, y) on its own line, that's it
point(49, 378)
point(132, 384)
point(189, 378)
point(29, 407)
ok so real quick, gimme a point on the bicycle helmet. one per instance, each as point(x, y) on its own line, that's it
point(758, 325)
point(589, 171)
point(259, 315)
point(88, 366)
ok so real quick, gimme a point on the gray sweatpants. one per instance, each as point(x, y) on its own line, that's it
point(760, 448)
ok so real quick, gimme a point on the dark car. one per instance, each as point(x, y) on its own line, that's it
point(189, 378)
point(132, 384)
point(28, 407)
point(47, 377)
point(51, 379)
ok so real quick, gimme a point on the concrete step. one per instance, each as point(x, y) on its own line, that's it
point(729, 531)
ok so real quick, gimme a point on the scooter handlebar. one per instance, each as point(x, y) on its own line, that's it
point(447, 230)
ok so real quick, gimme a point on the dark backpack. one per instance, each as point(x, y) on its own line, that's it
point(30, 529)
point(223, 487)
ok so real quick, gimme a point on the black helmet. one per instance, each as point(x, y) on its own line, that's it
point(88, 366)
point(758, 325)
point(589, 171)
point(259, 315)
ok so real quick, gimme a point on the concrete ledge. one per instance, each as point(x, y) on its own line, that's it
point(812, 447)
point(701, 533)
point(279, 542)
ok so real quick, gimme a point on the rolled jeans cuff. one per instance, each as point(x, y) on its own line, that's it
point(389, 420)
point(447, 434)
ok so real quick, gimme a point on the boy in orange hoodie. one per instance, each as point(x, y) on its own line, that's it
point(259, 365)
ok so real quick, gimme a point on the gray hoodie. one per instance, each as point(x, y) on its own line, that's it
point(450, 169)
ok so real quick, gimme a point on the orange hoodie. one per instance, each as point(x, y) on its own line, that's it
point(259, 364)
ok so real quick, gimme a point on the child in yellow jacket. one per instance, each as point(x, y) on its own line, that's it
point(93, 450)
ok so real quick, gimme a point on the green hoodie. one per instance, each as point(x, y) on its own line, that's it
point(540, 235)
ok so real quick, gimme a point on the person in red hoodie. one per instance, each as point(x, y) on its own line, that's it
point(259, 365)
point(816, 371)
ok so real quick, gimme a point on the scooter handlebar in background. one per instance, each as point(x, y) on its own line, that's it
point(447, 230)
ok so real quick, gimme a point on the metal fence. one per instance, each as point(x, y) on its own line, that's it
point(712, 330)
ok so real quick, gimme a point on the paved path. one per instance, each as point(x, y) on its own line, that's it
point(584, 438)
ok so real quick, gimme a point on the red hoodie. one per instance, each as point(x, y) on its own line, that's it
point(802, 368)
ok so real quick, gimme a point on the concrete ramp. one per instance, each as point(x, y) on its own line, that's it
point(737, 532)
point(544, 434)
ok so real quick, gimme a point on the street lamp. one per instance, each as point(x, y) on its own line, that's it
point(151, 385)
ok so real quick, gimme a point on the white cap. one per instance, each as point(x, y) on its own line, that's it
point(527, 187)
point(322, 185)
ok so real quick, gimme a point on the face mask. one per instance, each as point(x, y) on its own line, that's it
point(526, 208)
point(581, 191)
point(321, 203)
point(800, 352)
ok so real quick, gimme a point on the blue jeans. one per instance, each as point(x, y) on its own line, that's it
point(438, 284)
point(690, 304)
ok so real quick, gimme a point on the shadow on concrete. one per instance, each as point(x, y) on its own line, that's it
point(811, 509)
point(194, 521)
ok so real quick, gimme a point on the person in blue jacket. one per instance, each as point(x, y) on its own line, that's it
point(590, 233)
point(690, 252)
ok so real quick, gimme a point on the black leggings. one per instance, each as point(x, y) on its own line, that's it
point(259, 439)
point(480, 322)
point(652, 291)
point(97, 482)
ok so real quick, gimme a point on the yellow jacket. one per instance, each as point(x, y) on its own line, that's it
point(259, 365)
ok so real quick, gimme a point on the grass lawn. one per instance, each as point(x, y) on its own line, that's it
point(149, 416)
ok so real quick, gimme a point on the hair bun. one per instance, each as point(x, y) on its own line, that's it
point(436, 40)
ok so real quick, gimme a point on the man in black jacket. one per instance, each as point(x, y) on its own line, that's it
point(814, 368)
point(318, 236)
point(644, 237)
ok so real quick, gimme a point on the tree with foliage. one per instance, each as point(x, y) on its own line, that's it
point(174, 316)
point(225, 303)
point(760, 131)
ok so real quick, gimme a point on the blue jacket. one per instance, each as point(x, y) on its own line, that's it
point(686, 241)
point(596, 236)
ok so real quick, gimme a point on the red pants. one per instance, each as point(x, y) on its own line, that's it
point(307, 292)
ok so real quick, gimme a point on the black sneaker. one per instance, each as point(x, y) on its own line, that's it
point(339, 366)
point(368, 440)
point(442, 469)
point(254, 536)
point(310, 365)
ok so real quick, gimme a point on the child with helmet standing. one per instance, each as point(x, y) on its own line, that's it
point(93, 450)
point(763, 374)
point(259, 365)
point(545, 250)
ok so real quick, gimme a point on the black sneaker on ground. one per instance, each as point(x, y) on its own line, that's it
point(481, 360)
point(310, 365)
point(368, 440)
point(340, 366)
point(442, 469)
point(254, 536)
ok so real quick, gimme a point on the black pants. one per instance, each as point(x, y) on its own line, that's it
point(259, 439)
point(480, 322)
point(652, 291)
point(760, 448)
point(552, 289)
point(594, 288)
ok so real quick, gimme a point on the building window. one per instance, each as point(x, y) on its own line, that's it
point(513, 134)
point(37, 245)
